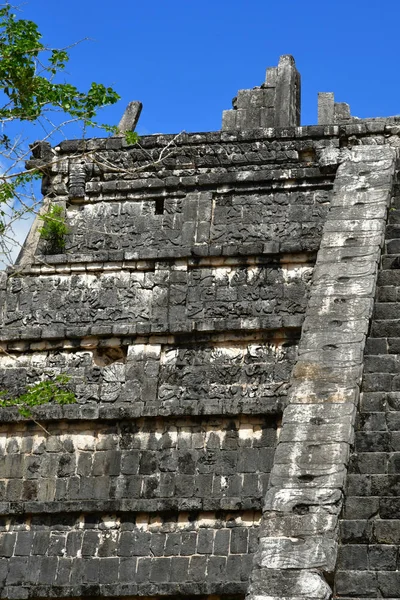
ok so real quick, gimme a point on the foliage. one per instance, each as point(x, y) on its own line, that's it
point(33, 90)
point(44, 392)
point(54, 229)
point(131, 137)
point(29, 83)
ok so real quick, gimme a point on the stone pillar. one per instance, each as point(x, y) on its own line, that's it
point(326, 104)
point(342, 112)
point(330, 112)
point(130, 117)
point(276, 103)
point(287, 95)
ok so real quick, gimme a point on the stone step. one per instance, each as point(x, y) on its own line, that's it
point(390, 261)
point(376, 346)
point(394, 216)
point(395, 201)
point(386, 310)
point(392, 246)
point(386, 328)
point(392, 231)
point(381, 346)
point(382, 364)
point(389, 277)
point(387, 293)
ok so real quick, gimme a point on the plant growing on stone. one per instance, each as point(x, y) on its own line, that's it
point(54, 229)
point(33, 90)
point(45, 392)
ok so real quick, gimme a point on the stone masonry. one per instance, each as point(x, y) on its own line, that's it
point(226, 307)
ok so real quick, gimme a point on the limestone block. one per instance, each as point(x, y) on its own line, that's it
point(297, 553)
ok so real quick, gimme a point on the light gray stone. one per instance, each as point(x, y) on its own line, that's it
point(130, 117)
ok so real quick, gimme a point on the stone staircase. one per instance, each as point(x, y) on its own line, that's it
point(369, 555)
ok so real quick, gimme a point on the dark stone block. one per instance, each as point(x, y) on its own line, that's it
point(353, 558)
point(356, 584)
point(216, 568)
point(24, 543)
point(388, 583)
point(239, 540)
point(127, 570)
point(222, 542)
point(372, 441)
point(234, 568)
point(197, 568)
point(157, 544)
point(247, 565)
point(205, 541)
point(48, 571)
point(90, 543)
point(393, 345)
point(17, 571)
point(369, 462)
point(160, 570)
point(381, 364)
point(143, 570)
point(385, 485)
point(125, 543)
point(382, 557)
point(179, 569)
point(73, 545)
point(358, 485)
point(356, 532)
point(389, 508)
point(91, 570)
point(377, 382)
point(188, 543)
point(173, 544)
point(387, 532)
point(57, 544)
point(63, 571)
point(374, 402)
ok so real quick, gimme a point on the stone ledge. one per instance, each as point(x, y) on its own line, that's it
point(65, 337)
point(148, 260)
point(21, 592)
point(293, 178)
point(271, 405)
point(121, 506)
point(384, 125)
point(213, 137)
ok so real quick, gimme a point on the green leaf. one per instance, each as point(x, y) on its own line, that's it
point(34, 88)
point(44, 392)
point(54, 229)
point(131, 137)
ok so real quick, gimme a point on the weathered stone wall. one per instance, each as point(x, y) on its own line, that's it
point(211, 304)
point(179, 332)
point(177, 297)
point(162, 379)
point(147, 555)
point(153, 227)
point(154, 465)
point(299, 532)
point(211, 194)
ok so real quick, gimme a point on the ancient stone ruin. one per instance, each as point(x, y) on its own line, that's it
point(227, 306)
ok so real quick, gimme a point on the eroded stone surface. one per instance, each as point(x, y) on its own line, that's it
point(187, 310)
point(315, 441)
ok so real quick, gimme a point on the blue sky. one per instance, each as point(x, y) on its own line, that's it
point(186, 59)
